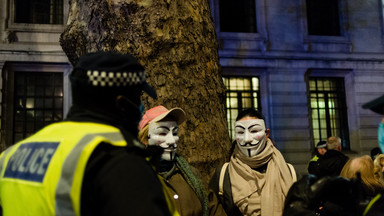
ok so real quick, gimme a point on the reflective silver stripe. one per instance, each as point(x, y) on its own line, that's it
point(63, 205)
point(4, 156)
point(2, 160)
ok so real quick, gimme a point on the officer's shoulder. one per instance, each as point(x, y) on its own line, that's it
point(107, 152)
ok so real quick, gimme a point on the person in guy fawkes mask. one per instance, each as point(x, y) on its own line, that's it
point(256, 179)
point(159, 127)
point(91, 163)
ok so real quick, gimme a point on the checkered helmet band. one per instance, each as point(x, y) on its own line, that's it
point(115, 79)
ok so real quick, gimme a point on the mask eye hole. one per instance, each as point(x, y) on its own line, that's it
point(175, 131)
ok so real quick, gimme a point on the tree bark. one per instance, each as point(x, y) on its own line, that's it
point(176, 43)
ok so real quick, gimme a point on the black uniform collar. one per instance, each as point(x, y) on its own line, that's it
point(81, 114)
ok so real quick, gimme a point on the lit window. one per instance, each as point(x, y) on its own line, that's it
point(237, 16)
point(242, 93)
point(328, 107)
point(39, 11)
point(323, 17)
point(38, 102)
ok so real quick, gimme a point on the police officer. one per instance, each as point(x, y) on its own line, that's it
point(90, 163)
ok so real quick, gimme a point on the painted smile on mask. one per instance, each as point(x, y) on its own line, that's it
point(164, 134)
point(251, 136)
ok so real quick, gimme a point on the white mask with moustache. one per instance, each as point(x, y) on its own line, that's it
point(251, 136)
point(164, 134)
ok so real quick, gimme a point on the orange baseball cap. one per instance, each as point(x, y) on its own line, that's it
point(158, 113)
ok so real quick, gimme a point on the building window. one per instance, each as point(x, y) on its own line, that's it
point(323, 17)
point(242, 93)
point(39, 11)
point(328, 108)
point(237, 16)
point(38, 102)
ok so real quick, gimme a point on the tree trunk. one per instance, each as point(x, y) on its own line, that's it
point(176, 43)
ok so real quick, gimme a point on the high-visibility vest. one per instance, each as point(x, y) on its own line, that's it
point(42, 175)
point(315, 158)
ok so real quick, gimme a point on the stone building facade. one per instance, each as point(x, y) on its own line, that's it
point(316, 61)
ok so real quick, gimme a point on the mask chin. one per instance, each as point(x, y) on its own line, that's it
point(168, 155)
point(251, 151)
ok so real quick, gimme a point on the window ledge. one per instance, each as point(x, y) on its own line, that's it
point(24, 27)
point(242, 41)
point(333, 44)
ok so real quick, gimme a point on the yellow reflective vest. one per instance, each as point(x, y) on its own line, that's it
point(42, 175)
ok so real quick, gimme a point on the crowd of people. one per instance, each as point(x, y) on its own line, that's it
point(108, 157)
point(339, 185)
